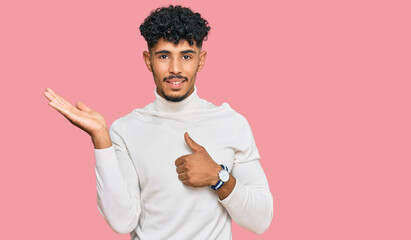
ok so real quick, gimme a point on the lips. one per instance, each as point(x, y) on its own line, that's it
point(175, 83)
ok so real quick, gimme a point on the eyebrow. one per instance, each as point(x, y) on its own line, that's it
point(188, 51)
point(166, 51)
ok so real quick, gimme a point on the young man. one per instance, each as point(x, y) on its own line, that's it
point(181, 167)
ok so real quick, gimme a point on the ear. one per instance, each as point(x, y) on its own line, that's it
point(202, 59)
point(147, 60)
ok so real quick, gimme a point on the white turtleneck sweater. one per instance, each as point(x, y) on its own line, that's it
point(138, 189)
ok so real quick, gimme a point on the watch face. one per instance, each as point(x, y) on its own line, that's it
point(224, 175)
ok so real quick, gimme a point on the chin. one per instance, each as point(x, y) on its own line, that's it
point(175, 98)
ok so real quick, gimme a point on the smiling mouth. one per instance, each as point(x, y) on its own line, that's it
point(175, 82)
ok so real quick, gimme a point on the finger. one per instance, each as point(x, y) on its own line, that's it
point(48, 96)
point(182, 176)
point(66, 102)
point(64, 107)
point(83, 107)
point(190, 142)
point(56, 97)
point(180, 169)
point(181, 160)
point(51, 98)
point(60, 109)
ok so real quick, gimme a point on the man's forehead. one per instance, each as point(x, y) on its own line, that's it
point(182, 45)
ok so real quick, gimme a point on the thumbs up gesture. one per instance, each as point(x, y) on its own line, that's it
point(197, 169)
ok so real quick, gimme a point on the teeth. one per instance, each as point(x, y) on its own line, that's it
point(176, 82)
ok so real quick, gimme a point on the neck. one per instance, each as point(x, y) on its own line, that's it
point(189, 103)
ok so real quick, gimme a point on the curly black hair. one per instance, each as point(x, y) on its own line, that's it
point(174, 23)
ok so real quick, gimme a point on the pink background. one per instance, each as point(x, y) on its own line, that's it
point(325, 86)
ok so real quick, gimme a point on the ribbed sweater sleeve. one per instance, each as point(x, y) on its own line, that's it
point(250, 204)
point(118, 194)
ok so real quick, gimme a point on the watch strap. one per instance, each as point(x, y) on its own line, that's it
point(220, 183)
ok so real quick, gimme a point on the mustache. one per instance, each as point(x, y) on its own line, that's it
point(175, 76)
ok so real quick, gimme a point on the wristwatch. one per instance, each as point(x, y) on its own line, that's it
point(223, 176)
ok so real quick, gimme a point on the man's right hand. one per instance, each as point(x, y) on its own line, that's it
point(82, 117)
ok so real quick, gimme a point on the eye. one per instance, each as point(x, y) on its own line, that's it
point(163, 56)
point(186, 57)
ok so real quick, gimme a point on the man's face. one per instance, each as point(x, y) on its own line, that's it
point(174, 68)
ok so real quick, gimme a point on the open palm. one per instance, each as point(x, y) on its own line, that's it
point(80, 115)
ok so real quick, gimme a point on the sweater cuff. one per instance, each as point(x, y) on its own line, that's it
point(234, 200)
point(105, 156)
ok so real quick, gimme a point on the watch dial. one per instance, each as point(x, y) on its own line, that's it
point(224, 175)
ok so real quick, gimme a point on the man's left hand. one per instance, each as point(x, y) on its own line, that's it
point(197, 169)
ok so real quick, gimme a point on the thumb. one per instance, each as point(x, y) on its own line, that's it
point(190, 142)
point(83, 107)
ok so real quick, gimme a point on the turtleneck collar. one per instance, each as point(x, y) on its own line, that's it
point(191, 102)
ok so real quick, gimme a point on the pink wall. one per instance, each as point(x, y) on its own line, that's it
point(324, 85)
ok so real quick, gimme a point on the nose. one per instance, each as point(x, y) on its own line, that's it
point(175, 66)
